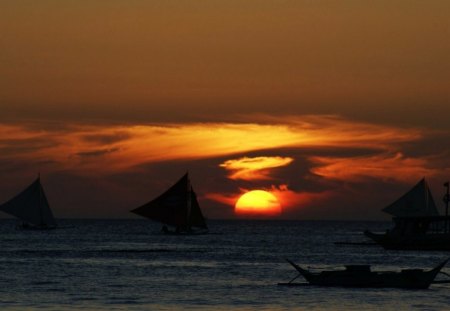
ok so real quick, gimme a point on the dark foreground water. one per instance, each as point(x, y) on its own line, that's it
point(129, 265)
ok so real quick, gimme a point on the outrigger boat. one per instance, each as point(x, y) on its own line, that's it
point(361, 276)
point(31, 208)
point(177, 208)
point(417, 222)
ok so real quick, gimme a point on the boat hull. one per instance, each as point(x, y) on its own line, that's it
point(430, 242)
point(185, 232)
point(375, 280)
point(362, 277)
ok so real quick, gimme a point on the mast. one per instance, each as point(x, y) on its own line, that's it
point(40, 200)
point(189, 203)
point(446, 201)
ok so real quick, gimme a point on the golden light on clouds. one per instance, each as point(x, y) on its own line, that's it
point(254, 168)
point(112, 148)
point(317, 151)
point(385, 166)
point(291, 199)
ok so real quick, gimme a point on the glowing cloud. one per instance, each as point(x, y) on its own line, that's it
point(290, 199)
point(93, 149)
point(254, 168)
point(386, 166)
point(326, 149)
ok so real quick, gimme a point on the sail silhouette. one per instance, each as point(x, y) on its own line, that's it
point(416, 202)
point(417, 223)
point(178, 207)
point(31, 207)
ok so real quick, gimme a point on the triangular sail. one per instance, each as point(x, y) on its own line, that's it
point(196, 218)
point(47, 218)
point(418, 202)
point(178, 207)
point(171, 207)
point(31, 206)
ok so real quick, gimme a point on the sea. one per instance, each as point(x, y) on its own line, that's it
point(131, 265)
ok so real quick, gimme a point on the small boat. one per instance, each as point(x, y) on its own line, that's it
point(361, 276)
point(178, 208)
point(417, 222)
point(31, 208)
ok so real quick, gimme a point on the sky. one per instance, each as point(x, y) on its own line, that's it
point(335, 107)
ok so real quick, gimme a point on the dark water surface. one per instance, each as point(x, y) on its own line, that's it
point(129, 265)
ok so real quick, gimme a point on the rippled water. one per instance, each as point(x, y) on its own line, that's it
point(129, 265)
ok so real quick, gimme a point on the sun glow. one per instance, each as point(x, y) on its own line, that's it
point(258, 203)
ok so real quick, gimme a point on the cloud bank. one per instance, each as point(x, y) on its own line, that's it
point(308, 162)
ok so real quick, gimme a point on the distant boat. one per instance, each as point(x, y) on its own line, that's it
point(361, 276)
point(31, 208)
point(178, 208)
point(417, 223)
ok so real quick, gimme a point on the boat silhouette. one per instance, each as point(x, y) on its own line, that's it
point(361, 276)
point(176, 208)
point(31, 208)
point(417, 222)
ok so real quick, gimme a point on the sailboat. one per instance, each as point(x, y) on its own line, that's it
point(31, 208)
point(177, 207)
point(361, 276)
point(417, 222)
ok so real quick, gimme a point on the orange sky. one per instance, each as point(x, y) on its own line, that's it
point(129, 60)
point(335, 106)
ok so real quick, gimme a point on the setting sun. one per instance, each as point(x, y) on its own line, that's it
point(258, 203)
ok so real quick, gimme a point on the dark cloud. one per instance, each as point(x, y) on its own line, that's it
point(436, 142)
point(25, 145)
point(107, 139)
point(97, 153)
